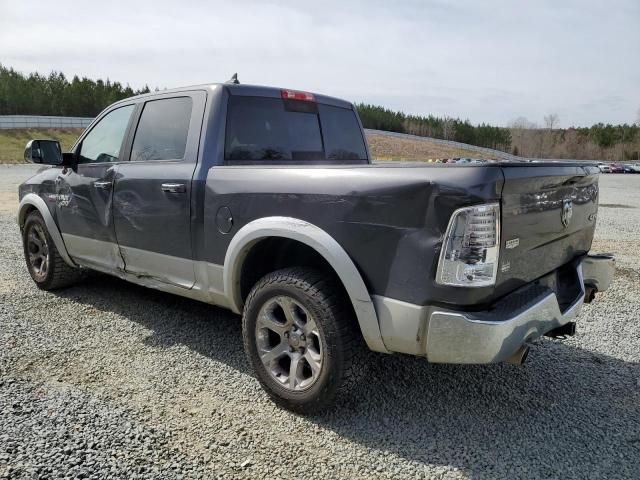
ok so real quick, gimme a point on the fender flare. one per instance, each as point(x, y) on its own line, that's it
point(31, 199)
point(321, 242)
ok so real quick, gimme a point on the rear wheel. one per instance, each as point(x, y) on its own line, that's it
point(46, 267)
point(300, 338)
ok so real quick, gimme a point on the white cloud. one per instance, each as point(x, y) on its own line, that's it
point(488, 61)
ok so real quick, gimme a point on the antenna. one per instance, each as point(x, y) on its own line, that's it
point(233, 80)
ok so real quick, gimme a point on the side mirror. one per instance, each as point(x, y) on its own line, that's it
point(47, 152)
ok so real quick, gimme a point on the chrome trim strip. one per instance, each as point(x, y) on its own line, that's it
point(54, 232)
point(93, 253)
point(167, 268)
point(320, 241)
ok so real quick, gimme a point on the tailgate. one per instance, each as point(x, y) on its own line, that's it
point(548, 218)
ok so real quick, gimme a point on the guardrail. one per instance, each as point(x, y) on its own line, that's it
point(41, 121)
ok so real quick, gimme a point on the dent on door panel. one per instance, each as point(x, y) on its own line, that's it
point(152, 201)
point(83, 208)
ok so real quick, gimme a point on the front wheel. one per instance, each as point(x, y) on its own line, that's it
point(46, 267)
point(300, 338)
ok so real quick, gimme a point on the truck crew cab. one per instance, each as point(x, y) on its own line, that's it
point(265, 201)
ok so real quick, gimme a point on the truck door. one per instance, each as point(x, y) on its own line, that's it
point(84, 193)
point(152, 192)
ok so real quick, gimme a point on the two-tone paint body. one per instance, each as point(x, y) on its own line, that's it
point(379, 226)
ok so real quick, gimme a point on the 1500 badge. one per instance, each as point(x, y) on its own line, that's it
point(63, 200)
point(513, 243)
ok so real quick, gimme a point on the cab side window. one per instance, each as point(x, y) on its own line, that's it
point(103, 142)
point(162, 130)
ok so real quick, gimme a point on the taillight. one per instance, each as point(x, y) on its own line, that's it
point(471, 246)
point(297, 95)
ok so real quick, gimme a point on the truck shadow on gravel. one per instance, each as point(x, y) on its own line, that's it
point(568, 412)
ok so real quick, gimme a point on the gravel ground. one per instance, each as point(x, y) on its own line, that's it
point(110, 380)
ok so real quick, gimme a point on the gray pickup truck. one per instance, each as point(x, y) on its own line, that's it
point(265, 201)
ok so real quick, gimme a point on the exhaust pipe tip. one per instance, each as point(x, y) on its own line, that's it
point(519, 356)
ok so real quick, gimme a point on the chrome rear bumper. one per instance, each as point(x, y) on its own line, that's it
point(488, 337)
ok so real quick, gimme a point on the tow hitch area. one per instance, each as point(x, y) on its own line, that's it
point(566, 330)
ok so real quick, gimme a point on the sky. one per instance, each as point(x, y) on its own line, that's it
point(487, 61)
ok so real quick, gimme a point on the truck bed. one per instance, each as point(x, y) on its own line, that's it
point(397, 213)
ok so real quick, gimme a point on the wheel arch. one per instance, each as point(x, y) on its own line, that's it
point(322, 243)
point(31, 202)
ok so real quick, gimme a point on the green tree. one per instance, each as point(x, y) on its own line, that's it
point(36, 94)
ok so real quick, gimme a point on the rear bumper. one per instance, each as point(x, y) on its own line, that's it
point(449, 336)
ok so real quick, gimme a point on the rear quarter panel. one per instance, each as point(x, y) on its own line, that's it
point(389, 219)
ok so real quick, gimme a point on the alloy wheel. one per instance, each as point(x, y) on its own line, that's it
point(38, 252)
point(289, 343)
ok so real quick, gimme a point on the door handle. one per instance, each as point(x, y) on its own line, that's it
point(174, 187)
point(104, 185)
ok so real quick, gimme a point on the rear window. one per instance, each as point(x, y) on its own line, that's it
point(341, 132)
point(261, 128)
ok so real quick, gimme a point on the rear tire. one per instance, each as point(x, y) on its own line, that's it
point(301, 338)
point(47, 268)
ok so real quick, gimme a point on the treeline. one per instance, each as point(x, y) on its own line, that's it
point(446, 128)
point(55, 94)
point(599, 142)
point(523, 138)
point(610, 135)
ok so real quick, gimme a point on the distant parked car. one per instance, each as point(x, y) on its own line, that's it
point(616, 168)
point(631, 168)
point(463, 160)
point(604, 168)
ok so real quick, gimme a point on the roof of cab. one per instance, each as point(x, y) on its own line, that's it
point(276, 92)
point(244, 90)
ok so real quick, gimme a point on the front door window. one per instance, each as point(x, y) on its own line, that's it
point(104, 141)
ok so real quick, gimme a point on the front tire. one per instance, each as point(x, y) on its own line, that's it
point(47, 268)
point(300, 338)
